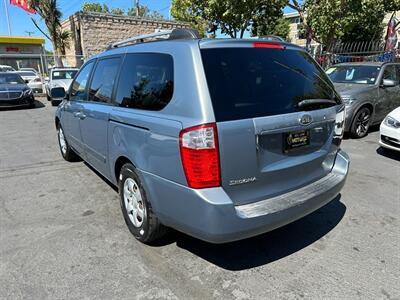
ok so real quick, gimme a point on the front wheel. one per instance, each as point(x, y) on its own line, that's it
point(361, 122)
point(66, 151)
point(136, 209)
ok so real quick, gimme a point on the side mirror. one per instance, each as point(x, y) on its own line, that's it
point(388, 83)
point(57, 93)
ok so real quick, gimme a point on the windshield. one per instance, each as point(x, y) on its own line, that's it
point(26, 73)
point(64, 74)
point(249, 83)
point(354, 74)
point(11, 78)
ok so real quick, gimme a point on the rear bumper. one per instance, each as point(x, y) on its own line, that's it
point(210, 215)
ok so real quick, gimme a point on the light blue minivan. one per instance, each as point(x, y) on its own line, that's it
point(222, 139)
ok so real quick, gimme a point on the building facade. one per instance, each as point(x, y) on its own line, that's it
point(23, 52)
point(93, 32)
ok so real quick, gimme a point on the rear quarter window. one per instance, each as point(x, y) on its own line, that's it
point(146, 81)
point(249, 83)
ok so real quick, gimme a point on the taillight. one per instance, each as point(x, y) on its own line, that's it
point(340, 122)
point(200, 156)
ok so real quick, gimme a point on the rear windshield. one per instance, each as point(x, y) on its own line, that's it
point(249, 83)
point(26, 73)
point(70, 74)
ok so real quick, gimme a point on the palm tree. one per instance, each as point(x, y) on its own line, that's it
point(51, 15)
point(64, 41)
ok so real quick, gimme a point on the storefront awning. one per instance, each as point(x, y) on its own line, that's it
point(27, 40)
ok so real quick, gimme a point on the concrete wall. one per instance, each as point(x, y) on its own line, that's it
point(93, 32)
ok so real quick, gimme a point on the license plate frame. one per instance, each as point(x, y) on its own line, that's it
point(296, 140)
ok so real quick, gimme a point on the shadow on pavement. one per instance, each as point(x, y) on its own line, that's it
point(372, 128)
point(266, 248)
point(388, 153)
point(262, 249)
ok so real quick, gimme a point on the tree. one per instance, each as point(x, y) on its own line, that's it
point(117, 11)
point(182, 10)
point(353, 20)
point(281, 27)
point(231, 17)
point(48, 10)
point(143, 11)
point(95, 7)
point(64, 41)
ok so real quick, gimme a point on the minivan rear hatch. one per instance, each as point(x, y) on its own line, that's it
point(275, 111)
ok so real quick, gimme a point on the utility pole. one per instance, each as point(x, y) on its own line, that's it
point(7, 17)
point(137, 8)
point(29, 32)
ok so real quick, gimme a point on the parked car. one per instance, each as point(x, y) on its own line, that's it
point(29, 70)
point(390, 131)
point(14, 91)
point(370, 91)
point(5, 68)
point(59, 77)
point(220, 139)
point(33, 80)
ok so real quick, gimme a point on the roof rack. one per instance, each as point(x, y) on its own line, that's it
point(174, 34)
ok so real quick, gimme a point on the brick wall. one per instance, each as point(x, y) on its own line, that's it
point(93, 32)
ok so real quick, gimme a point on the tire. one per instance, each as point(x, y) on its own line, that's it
point(48, 97)
point(360, 124)
point(136, 208)
point(54, 103)
point(66, 151)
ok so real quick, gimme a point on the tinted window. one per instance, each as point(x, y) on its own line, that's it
point(390, 73)
point(354, 74)
point(27, 73)
point(146, 81)
point(56, 75)
point(10, 78)
point(103, 79)
point(248, 83)
point(78, 88)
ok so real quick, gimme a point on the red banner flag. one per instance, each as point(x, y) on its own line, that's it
point(24, 5)
point(391, 34)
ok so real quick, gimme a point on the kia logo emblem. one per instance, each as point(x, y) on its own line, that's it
point(305, 120)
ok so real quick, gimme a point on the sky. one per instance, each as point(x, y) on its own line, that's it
point(21, 23)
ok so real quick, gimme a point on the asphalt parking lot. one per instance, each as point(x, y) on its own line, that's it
point(62, 235)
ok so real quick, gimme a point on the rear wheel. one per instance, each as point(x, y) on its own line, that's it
point(66, 151)
point(361, 122)
point(136, 209)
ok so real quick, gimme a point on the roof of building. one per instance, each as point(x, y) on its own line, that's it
point(29, 40)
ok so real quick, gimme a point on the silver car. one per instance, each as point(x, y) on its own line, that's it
point(220, 139)
point(370, 91)
point(59, 77)
point(32, 79)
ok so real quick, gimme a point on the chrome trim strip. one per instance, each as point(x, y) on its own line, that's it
point(290, 199)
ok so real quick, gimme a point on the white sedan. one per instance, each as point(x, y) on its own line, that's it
point(390, 131)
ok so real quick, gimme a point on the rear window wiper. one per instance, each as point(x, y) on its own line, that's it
point(312, 102)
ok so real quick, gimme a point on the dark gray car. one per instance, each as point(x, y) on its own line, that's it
point(220, 139)
point(14, 91)
point(370, 91)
